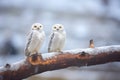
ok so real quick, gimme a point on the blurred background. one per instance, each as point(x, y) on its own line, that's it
point(83, 20)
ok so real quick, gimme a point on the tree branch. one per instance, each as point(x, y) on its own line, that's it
point(55, 61)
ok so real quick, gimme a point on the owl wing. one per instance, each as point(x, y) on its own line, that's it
point(51, 39)
point(28, 43)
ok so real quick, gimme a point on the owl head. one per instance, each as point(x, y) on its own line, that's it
point(58, 27)
point(37, 26)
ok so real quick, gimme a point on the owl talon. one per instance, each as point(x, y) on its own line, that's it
point(61, 52)
point(36, 53)
point(27, 54)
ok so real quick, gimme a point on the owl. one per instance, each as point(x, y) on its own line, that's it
point(57, 38)
point(35, 39)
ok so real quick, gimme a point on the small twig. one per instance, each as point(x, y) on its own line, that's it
point(91, 45)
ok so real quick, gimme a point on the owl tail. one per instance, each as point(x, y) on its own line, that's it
point(49, 50)
point(27, 54)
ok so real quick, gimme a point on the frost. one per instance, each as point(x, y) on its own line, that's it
point(92, 51)
point(49, 55)
point(2, 69)
point(96, 50)
point(17, 65)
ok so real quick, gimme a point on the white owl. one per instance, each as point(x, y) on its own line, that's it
point(57, 38)
point(35, 39)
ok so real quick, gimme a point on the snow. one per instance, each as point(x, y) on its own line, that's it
point(95, 50)
point(92, 51)
point(49, 55)
point(14, 66)
point(17, 65)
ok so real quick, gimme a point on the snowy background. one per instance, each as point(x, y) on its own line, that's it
point(83, 20)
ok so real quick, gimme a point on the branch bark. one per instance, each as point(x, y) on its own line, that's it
point(55, 61)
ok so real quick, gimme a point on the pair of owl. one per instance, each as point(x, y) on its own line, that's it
point(36, 38)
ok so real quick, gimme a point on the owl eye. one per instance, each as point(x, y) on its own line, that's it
point(40, 26)
point(60, 27)
point(55, 27)
point(35, 26)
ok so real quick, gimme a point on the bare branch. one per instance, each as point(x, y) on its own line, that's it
point(55, 61)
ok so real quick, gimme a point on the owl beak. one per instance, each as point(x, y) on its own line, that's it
point(57, 29)
point(38, 28)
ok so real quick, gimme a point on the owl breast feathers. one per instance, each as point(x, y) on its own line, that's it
point(35, 40)
point(57, 39)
